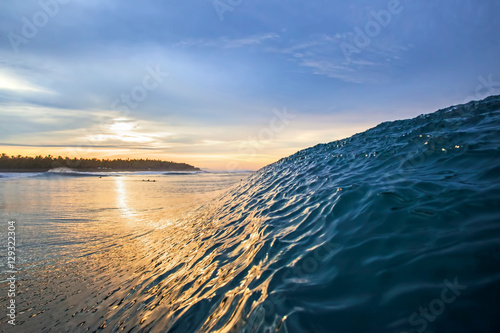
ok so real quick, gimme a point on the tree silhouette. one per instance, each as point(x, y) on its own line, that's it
point(49, 162)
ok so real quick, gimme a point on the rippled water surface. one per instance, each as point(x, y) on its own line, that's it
point(392, 230)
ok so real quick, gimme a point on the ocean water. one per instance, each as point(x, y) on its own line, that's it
point(396, 229)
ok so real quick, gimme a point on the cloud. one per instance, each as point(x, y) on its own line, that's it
point(227, 43)
point(73, 146)
point(323, 55)
point(14, 83)
point(225, 78)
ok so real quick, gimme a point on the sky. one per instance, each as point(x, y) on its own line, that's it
point(232, 84)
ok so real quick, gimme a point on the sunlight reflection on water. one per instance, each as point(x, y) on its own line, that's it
point(122, 250)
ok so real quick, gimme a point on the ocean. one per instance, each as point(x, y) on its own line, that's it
point(396, 229)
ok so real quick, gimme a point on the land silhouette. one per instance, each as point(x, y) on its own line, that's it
point(44, 163)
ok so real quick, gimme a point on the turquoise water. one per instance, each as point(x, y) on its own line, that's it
point(395, 229)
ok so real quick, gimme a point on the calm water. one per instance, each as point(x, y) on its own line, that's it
point(69, 215)
point(396, 229)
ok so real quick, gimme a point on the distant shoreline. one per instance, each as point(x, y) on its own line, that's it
point(93, 170)
point(43, 164)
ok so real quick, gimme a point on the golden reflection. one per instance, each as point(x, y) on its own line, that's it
point(121, 198)
point(166, 263)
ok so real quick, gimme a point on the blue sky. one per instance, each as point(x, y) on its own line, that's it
point(231, 84)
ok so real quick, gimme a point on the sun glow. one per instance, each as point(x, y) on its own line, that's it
point(9, 82)
point(124, 130)
point(121, 126)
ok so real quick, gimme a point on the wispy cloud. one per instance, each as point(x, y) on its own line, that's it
point(323, 55)
point(14, 83)
point(228, 43)
point(59, 90)
point(73, 146)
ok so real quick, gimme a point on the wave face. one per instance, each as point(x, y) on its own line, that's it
point(392, 230)
point(357, 235)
